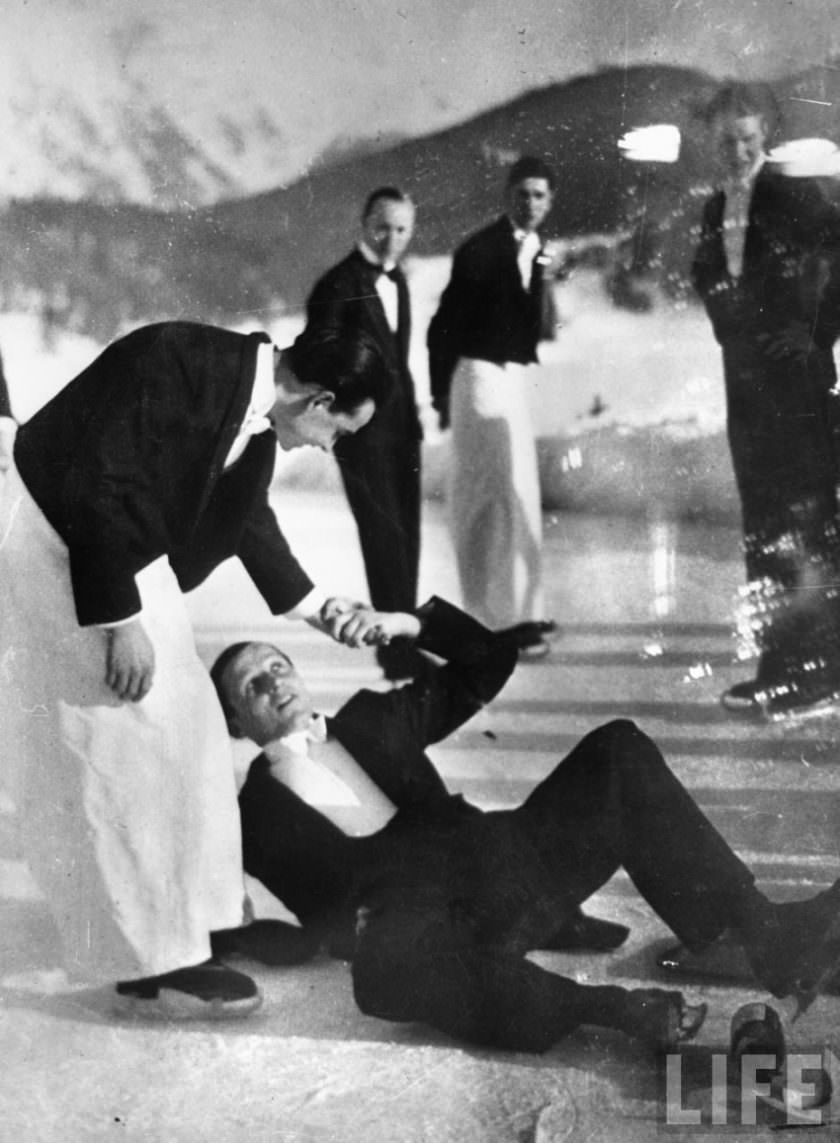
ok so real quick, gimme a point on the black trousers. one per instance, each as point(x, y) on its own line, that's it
point(382, 483)
point(782, 419)
point(442, 937)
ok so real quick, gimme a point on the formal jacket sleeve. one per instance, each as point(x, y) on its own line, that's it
point(270, 562)
point(441, 698)
point(327, 303)
point(443, 338)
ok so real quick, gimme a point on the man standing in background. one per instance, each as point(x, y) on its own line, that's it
point(497, 307)
point(765, 268)
point(367, 291)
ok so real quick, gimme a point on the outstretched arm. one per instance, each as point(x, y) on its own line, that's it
point(478, 663)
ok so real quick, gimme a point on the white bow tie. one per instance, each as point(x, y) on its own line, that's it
point(298, 742)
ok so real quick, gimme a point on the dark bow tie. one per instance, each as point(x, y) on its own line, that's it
point(392, 273)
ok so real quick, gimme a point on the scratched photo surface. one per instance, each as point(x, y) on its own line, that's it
point(170, 159)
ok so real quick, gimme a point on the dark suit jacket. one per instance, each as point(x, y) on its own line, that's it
point(485, 312)
point(781, 416)
point(790, 224)
point(126, 462)
point(304, 859)
point(346, 295)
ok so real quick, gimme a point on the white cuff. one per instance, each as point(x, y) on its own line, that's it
point(119, 622)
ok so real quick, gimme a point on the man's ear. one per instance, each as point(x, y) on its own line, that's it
point(323, 399)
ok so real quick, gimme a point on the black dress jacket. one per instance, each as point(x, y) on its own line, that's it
point(308, 862)
point(485, 311)
point(346, 296)
point(127, 464)
point(790, 224)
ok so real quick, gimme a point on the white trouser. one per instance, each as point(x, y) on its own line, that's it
point(494, 497)
point(128, 811)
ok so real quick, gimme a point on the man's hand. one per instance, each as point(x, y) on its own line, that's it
point(130, 661)
point(792, 342)
point(331, 616)
point(383, 626)
point(361, 626)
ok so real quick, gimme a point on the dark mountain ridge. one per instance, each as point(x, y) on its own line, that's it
point(103, 268)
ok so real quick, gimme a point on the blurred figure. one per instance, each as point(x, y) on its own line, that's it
point(764, 267)
point(496, 308)
point(8, 424)
point(380, 465)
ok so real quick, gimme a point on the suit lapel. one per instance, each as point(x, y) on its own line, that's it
point(235, 416)
point(405, 775)
point(366, 276)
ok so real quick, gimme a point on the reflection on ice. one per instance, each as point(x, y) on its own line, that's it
point(663, 542)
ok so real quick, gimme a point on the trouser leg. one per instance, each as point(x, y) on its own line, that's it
point(416, 961)
point(614, 802)
point(494, 495)
point(383, 491)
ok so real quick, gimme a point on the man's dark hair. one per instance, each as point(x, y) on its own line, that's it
point(217, 674)
point(389, 194)
point(530, 167)
point(743, 100)
point(344, 361)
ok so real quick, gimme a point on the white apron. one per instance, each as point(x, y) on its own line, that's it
point(494, 499)
point(128, 811)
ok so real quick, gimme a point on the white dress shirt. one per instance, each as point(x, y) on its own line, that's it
point(262, 401)
point(321, 772)
point(529, 244)
point(386, 287)
point(736, 217)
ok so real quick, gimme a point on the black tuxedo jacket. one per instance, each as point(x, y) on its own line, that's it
point(305, 860)
point(790, 225)
point(346, 295)
point(126, 462)
point(485, 312)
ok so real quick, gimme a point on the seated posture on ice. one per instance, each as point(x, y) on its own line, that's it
point(437, 902)
point(129, 487)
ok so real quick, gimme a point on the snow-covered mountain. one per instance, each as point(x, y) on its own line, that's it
point(100, 102)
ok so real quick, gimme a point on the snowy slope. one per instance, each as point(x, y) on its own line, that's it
point(99, 102)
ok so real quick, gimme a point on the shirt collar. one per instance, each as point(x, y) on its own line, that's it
point(371, 258)
point(746, 184)
point(522, 235)
point(299, 741)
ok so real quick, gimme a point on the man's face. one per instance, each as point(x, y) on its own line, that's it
point(739, 142)
point(268, 696)
point(312, 421)
point(388, 228)
point(529, 202)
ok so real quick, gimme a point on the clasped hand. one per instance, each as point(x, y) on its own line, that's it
point(358, 625)
point(792, 342)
